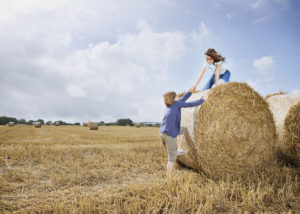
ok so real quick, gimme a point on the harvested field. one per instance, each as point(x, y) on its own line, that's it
point(69, 169)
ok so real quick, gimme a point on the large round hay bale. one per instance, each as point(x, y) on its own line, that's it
point(292, 130)
point(234, 132)
point(37, 124)
point(286, 111)
point(57, 123)
point(137, 125)
point(84, 124)
point(93, 125)
point(11, 124)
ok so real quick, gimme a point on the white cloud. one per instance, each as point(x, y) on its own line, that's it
point(100, 81)
point(264, 65)
point(148, 109)
point(203, 34)
point(258, 4)
point(260, 20)
point(11, 9)
point(76, 91)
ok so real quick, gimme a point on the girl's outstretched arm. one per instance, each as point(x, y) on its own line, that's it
point(218, 69)
point(198, 80)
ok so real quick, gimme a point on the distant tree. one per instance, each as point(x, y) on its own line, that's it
point(41, 121)
point(49, 122)
point(21, 121)
point(4, 120)
point(111, 124)
point(101, 123)
point(124, 122)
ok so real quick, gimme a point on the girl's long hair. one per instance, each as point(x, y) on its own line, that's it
point(215, 55)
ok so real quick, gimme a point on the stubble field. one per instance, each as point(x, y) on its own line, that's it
point(70, 169)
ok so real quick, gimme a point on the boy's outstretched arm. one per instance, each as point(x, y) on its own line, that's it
point(185, 96)
point(191, 104)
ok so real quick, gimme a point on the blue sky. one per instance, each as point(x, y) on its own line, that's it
point(103, 60)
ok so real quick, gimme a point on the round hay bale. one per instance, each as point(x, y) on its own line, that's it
point(93, 125)
point(137, 125)
point(57, 123)
point(286, 112)
point(37, 124)
point(292, 129)
point(84, 124)
point(11, 124)
point(234, 132)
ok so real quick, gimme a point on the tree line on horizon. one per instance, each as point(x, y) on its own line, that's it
point(4, 120)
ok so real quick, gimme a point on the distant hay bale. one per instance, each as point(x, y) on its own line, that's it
point(37, 124)
point(11, 124)
point(57, 123)
point(84, 124)
point(233, 132)
point(137, 125)
point(93, 125)
point(286, 112)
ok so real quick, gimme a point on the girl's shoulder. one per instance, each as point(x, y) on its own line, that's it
point(220, 62)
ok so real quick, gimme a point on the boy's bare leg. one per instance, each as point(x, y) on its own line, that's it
point(180, 141)
point(170, 166)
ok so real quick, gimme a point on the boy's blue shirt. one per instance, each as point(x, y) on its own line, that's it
point(171, 122)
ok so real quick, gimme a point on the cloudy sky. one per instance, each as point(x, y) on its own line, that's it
point(103, 60)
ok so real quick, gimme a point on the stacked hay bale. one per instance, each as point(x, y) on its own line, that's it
point(93, 125)
point(37, 124)
point(11, 124)
point(84, 124)
point(286, 112)
point(234, 132)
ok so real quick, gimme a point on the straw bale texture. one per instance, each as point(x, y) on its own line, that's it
point(274, 94)
point(37, 124)
point(292, 129)
point(93, 125)
point(280, 106)
point(234, 132)
point(286, 112)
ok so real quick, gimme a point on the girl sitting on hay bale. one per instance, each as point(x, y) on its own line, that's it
point(215, 64)
point(170, 126)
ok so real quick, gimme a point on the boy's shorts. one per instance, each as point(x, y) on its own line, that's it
point(171, 144)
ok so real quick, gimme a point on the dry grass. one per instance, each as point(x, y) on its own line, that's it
point(122, 170)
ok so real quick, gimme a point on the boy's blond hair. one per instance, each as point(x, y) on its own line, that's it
point(169, 98)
